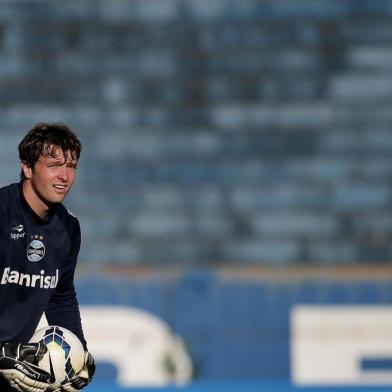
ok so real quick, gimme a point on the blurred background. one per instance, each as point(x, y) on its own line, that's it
point(235, 182)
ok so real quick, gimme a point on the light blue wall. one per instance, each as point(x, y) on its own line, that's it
point(234, 328)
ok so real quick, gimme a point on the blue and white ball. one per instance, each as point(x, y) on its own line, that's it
point(65, 355)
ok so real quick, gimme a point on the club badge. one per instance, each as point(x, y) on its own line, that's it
point(36, 249)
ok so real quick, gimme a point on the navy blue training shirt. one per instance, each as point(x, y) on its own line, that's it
point(37, 264)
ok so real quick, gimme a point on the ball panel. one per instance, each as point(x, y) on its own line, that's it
point(65, 356)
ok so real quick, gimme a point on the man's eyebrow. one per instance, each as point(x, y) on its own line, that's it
point(54, 159)
point(61, 160)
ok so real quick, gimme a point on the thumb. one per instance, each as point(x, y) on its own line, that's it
point(36, 350)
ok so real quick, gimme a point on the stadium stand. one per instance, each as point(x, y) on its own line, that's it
point(231, 130)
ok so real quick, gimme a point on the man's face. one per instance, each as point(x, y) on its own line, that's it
point(52, 177)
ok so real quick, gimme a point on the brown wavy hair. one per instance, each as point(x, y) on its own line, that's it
point(44, 139)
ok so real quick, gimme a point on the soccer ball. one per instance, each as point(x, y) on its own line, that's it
point(65, 355)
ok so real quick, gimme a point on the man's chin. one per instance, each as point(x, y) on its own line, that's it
point(54, 200)
point(58, 200)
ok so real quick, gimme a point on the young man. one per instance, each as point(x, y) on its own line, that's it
point(39, 246)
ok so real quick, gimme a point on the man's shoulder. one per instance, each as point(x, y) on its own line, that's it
point(68, 221)
point(9, 194)
point(9, 191)
point(66, 216)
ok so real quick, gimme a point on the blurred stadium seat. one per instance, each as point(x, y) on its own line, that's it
point(220, 127)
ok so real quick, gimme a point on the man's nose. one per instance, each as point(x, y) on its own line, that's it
point(63, 173)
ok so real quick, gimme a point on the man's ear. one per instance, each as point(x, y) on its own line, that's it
point(27, 171)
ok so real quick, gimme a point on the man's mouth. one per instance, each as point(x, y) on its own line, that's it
point(60, 187)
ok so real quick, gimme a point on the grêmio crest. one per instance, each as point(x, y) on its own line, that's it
point(36, 249)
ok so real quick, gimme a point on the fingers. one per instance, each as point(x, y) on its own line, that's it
point(12, 369)
point(22, 383)
point(34, 372)
point(15, 386)
point(89, 365)
point(55, 387)
point(89, 360)
point(20, 386)
point(69, 388)
point(82, 379)
point(76, 383)
point(83, 374)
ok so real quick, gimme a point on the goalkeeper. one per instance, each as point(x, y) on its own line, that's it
point(39, 246)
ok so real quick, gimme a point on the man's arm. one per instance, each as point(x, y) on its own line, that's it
point(63, 310)
point(63, 307)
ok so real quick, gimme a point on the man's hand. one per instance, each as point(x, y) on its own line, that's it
point(82, 378)
point(21, 375)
